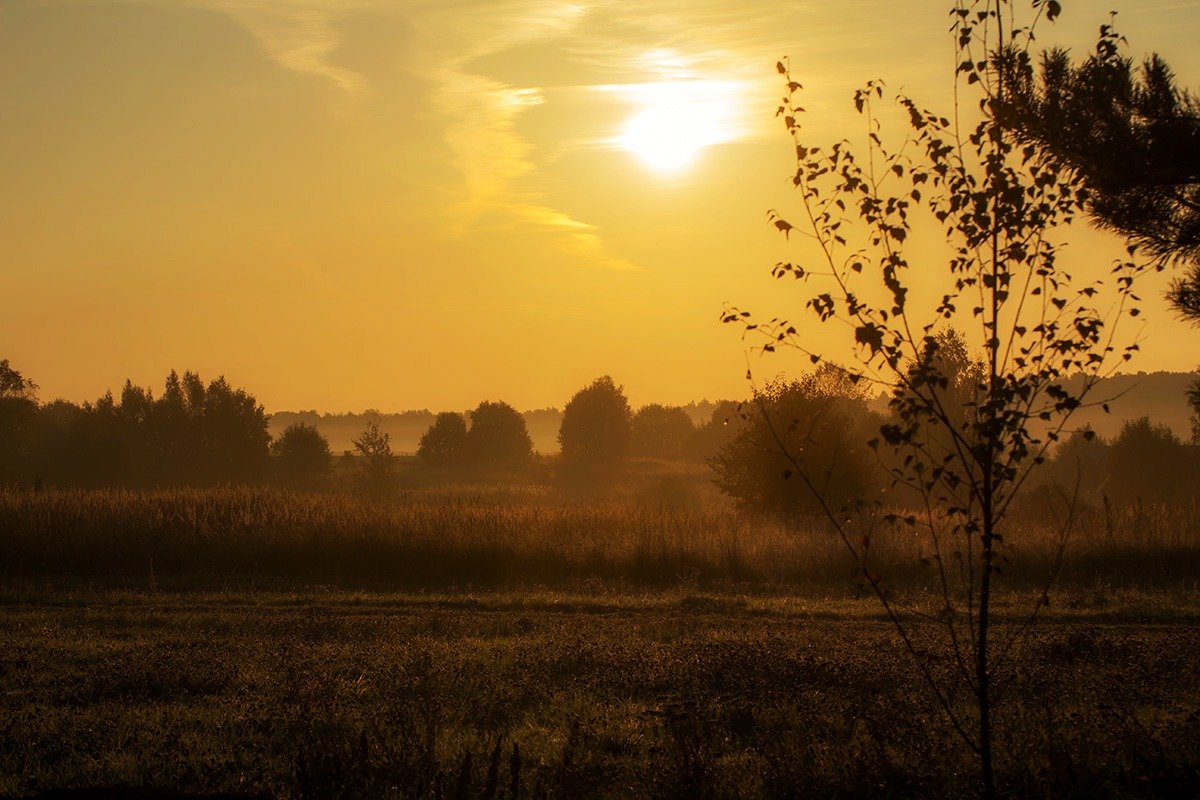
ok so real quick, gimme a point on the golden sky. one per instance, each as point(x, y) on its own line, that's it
point(343, 204)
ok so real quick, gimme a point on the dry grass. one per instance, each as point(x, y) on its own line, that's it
point(504, 644)
point(520, 537)
point(324, 694)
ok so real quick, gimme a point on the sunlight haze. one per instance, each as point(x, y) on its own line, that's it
point(343, 204)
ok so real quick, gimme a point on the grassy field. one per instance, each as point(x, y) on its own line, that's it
point(523, 537)
point(261, 643)
point(334, 694)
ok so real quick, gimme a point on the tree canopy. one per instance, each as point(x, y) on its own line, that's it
point(301, 456)
point(498, 440)
point(820, 421)
point(18, 413)
point(14, 384)
point(1130, 132)
point(595, 430)
point(378, 467)
point(662, 432)
point(1046, 339)
point(444, 443)
point(1146, 462)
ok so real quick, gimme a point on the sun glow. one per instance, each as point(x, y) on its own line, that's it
point(678, 119)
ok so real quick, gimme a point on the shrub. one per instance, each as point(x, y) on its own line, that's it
point(661, 432)
point(301, 456)
point(823, 421)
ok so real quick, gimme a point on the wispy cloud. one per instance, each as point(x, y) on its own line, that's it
point(492, 159)
point(300, 35)
point(481, 115)
point(627, 46)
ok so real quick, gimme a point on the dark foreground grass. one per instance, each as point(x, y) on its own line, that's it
point(323, 693)
point(478, 647)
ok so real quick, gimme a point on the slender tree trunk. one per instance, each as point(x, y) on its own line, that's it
point(982, 672)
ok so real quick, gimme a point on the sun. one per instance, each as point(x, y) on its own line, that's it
point(677, 121)
point(663, 138)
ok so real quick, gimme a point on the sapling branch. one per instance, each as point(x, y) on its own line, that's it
point(965, 433)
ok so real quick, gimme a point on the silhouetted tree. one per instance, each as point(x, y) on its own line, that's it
point(497, 441)
point(1148, 462)
point(444, 444)
point(1045, 336)
point(1133, 136)
point(234, 435)
point(1130, 133)
point(960, 381)
point(96, 448)
point(15, 385)
point(143, 456)
point(301, 456)
point(56, 424)
point(594, 434)
point(725, 422)
point(175, 431)
point(1193, 400)
point(378, 468)
point(823, 421)
point(192, 435)
point(661, 432)
point(18, 419)
point(1079, 470)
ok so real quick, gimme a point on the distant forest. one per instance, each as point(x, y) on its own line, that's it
point(199, 433)
point(406, 427)
point(1161, 396)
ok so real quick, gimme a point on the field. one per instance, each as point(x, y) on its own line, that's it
point(259, 643)
point(464, 538)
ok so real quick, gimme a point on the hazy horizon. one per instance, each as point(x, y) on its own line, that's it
point(350, 203)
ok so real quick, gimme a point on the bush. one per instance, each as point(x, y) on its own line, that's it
point(301, 457)
point(661, 432)
point(1148, 462)
point(823, 422)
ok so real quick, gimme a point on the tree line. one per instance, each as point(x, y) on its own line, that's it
point(197, 433)
point(193, 433)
